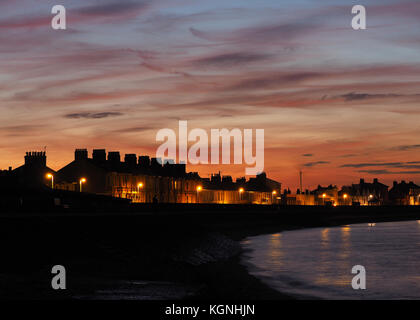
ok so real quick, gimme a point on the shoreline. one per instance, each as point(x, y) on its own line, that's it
point(263, 291)
point(164, 255)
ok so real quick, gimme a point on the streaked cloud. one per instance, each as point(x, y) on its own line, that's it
point(407, 147)
point(90, 115)
point(316, 163)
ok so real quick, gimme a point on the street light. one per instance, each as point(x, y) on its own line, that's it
point(241, 190)
point(139, 186)
point(198, 190)
point(345, 196)
point(83, 180)
point(50, 176)
point(272, 196)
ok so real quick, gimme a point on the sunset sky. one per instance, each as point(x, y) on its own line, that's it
point(336, 103)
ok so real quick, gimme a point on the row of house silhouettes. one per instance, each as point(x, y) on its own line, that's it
point(363, 193)
point(143, 179)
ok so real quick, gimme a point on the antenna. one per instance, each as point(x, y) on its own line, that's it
point(300, 180)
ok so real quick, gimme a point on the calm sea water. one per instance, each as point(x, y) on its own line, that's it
point(317, 263)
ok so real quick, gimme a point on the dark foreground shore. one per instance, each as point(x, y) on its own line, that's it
point(154, 252)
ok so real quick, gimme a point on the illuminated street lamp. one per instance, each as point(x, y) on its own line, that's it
point(241, 190)
point(199, 188)
point(139, 186)
point(345, 196)
point(273, 195)
point(82, 181)
point(323, 198)
point(50, 176)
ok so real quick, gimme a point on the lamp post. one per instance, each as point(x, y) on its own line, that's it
point(323, 198)
point(81, 182)
point(198, 193)
point(50, 176)
point(273, 194)
point(241, 190)
point(139, 186)
point(370, 199)
point(345, 196)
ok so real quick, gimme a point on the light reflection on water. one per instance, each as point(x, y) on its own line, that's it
point(318, 262)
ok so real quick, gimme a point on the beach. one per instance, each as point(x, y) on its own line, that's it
point(159, 254)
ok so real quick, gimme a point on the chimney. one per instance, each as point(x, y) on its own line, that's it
point(180, 169)
point(144, 161)
point(375, 180)
point(114, 157)
point(99, 155)
point(10, 169)
point(395, 184)
point(130, 160)
point(80, 154)
point(35, 158)
point(156, 162)
point(156, 166)
point(362, 181)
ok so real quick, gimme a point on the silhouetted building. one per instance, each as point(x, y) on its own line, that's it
point(326, 195)
point(299, 199)
point(404, 193)
point(32, 174)
point(140, 182)
point(262, 183)
point(222, 189)
point(364, 193)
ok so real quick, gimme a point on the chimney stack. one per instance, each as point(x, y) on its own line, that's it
point(114, 157)
point(130, 160)
point(99, 155)
point(144, 161)
point(80, 154)
point(36, 158)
